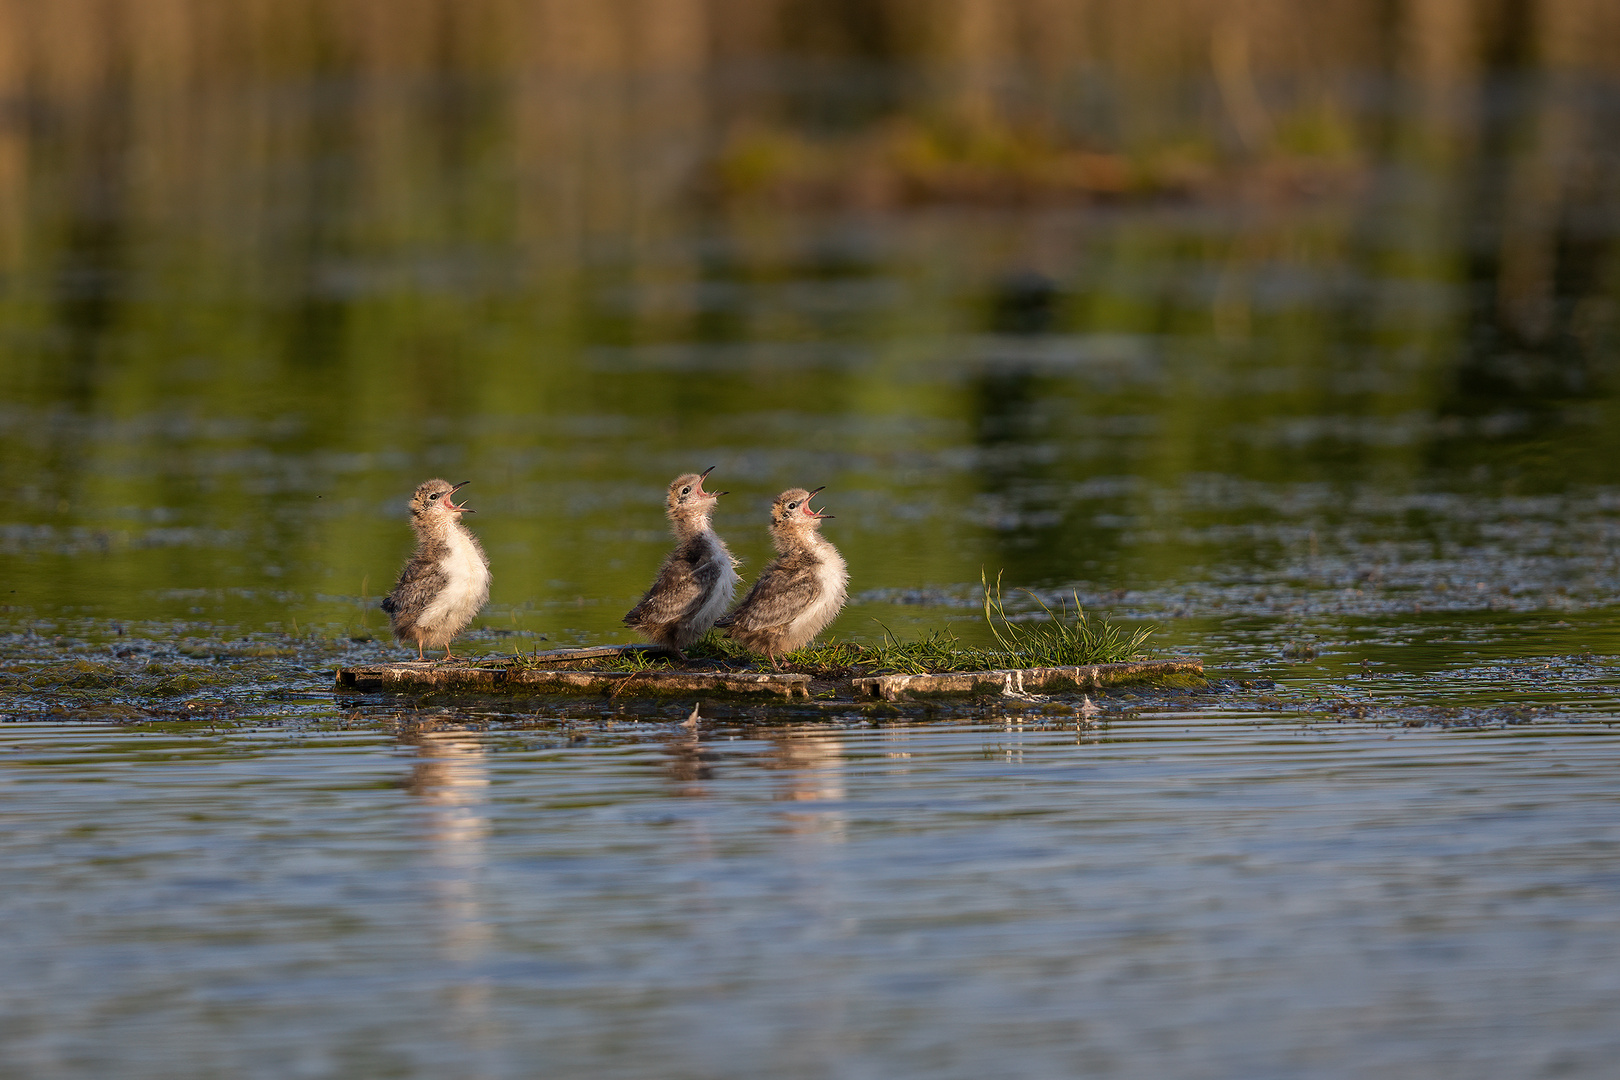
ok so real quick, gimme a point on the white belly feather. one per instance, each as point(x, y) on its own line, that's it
point(720, 597)
point(465, 591)
point(833, 578)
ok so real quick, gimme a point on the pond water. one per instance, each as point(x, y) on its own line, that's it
point(1187, 886)
point(1359, 448)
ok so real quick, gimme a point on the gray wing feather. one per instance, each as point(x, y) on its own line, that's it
point(419, 582)
point(781, 594)
point(679, 589)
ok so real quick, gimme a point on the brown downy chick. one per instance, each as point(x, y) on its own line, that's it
point(446, 580)
point(697, 580)
point(800, 592)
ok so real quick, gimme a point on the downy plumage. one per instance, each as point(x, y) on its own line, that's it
point(697, 580)
point(800, 592)
point(446, 580)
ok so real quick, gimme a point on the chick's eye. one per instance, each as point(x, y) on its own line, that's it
point(435, 495)
point(793, 506)
point(685, 490)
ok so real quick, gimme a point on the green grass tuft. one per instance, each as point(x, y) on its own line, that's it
point(939, 651)
point(634, 662)
point(716, 646)
point(1059, 639)
point(826, 659)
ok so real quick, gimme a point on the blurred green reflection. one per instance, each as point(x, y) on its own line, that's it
point(1142, 298)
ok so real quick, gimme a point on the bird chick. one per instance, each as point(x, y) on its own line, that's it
point(800, 592)
point(446, 580)
point(698, 579)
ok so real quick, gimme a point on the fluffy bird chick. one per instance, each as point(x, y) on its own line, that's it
point(446, 580)
point(698, 579)
point(800, 592)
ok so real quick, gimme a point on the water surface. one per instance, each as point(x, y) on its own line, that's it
point(1176, 889)
point(1354, 444)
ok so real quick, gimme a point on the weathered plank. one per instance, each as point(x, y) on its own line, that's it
point(566, 657)
point(419, 675)
point(506, 677)
point(615, 683)
point(1015, 681)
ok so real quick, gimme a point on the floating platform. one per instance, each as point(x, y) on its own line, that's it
point(559, 673)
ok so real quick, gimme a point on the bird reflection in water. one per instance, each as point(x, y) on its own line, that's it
point(688, 765)
point(451, 779)
point(811, 770)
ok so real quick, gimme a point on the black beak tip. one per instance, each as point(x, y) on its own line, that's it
point(704, 474)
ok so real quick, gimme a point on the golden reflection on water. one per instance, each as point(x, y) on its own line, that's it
point(451, 781)
point(895, 739)
point(809, 768)
point(688, 766)
point(1010, 744)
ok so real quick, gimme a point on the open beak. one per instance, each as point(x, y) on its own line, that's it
point(710, 494)
point(449, 500)
point(815, 513)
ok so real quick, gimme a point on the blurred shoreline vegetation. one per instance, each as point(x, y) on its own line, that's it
point(907, 163)
point(263, 129)
point(595, 109)
point(291, 148)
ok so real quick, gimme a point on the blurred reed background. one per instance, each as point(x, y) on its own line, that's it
point(209, 126)
point(241, 240)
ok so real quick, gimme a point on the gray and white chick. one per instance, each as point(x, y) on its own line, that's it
point(446, 580)
point(800, 592)
point(698, 579)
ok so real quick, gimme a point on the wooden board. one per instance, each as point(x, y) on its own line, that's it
point(1015, 682)
point(570, 657)
point(507, 677)
point(486, 677)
